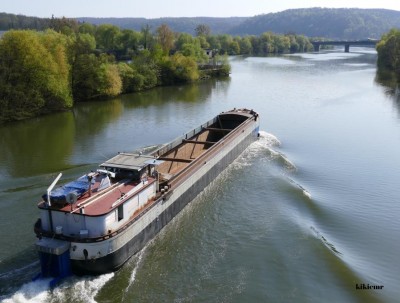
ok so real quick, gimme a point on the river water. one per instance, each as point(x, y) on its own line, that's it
point(309, 213)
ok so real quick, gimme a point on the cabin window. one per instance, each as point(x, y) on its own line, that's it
point(120, 212)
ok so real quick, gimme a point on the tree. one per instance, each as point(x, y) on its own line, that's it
point(245, 45)
point(107, 37)
point(34, 74)
point(110, 83)
point(148, 68)
point(87, 28)
point(389, 50)
point(194, 50)
point(147, 36)
point(64, 25)
point(129, 42)
point(225, 41)
point(165, 38)
point(202, 30)
point(95, 77)
point(234, 48)
point(179, 69)
point(182, 39)
point(214, 42)
point(132, 81)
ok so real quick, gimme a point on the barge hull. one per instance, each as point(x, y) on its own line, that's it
point(180, 197)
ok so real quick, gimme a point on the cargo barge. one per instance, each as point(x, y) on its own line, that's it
point(94, 224)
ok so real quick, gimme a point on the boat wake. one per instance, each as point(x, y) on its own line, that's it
point(325, 241)
point(37, 291)
point(138, 261)
point(304, 191)
point(270, 138)
point(266, 142)
point(74, 289)
point(265, 146)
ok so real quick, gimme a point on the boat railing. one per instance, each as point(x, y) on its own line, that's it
point(169, 146)
point(179, 177)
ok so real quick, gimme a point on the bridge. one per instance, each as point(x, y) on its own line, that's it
point(368, 42)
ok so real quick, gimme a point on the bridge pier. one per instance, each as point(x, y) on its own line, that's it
point(316, 47)
point(347, 48)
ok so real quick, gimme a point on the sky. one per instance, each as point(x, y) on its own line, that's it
point(175, 8)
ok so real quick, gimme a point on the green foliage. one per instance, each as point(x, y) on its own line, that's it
point(107, 37)
point(41, 71)
point(389, 51)
point(95, 77)
point(266, 43)
point(127, 74)
point(179, 69)
point(224, 63)
point(148, 69)
point(87, 28)
point(147, 39)
point(34, 74)
point(165, 38)
point(84, 44)
point(193, 49)
point(110, 83)
point(128, 42)
point(64, 25)
point(183, 38)
point(85, 77)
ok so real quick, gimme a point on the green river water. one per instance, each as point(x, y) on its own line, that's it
point(308, 213)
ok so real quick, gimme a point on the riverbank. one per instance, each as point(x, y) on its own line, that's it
point(44, 72)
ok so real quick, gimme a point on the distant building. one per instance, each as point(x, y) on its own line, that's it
point(210, 52)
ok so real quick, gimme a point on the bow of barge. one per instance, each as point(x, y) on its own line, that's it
point(94, 224)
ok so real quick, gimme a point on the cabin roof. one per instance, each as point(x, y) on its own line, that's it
point(129, 161)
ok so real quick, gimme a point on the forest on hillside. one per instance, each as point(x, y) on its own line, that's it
point(332, 23)
point(340, 23)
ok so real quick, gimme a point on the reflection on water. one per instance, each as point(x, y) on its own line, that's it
point(46, 144)
point(391, 83)
point(33, 147)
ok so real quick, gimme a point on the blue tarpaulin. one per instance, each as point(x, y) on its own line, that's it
point(78, 187)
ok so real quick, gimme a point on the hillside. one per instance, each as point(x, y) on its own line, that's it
point(339, 23)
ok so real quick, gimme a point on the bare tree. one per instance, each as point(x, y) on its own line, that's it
point(202, 30)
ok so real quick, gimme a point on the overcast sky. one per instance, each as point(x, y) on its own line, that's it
point(174, 8)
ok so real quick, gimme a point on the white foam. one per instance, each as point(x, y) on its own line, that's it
point(82, 289)
point(37, 291)
point(134, 271)
point(269, 138)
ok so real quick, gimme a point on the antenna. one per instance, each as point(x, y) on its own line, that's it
point(51, 187)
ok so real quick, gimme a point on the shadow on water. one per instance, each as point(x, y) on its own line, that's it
point(18, 269)
point(38, 145)
point(391, 83)
point(189, 93)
